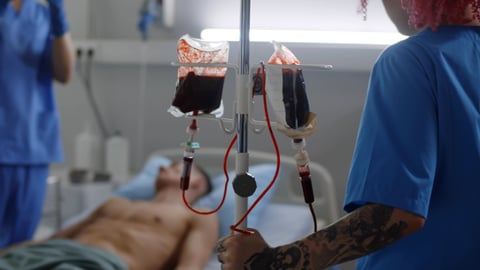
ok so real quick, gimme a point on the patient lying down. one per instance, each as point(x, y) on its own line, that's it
point(122, 234)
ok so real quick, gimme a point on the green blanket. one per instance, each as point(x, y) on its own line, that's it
point(60, 255)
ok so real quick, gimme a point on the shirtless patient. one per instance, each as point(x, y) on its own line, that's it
point(157, 234)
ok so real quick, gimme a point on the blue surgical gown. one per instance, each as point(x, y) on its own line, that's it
point(29, 121)
point(418, 148)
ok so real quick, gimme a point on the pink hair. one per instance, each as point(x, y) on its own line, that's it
point(433, 13)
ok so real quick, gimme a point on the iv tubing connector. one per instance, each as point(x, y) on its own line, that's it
point(186, 169)
point(302, 159)
point(307, 187)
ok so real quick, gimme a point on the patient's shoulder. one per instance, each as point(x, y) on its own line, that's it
point(204, 220)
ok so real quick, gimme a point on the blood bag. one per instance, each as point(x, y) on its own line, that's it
point(286, 89)
point(199, 88)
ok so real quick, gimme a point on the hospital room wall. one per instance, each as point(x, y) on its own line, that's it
point(336, 97)
point(117, 19)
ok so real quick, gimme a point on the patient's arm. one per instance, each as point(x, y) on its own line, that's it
point(70, 231)
point(199, 243)
point(21, 244)
point(66, 233)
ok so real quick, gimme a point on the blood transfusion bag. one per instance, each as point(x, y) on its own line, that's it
point(286, 91)
point(199, 88)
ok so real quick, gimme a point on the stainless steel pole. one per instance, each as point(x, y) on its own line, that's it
point(243, 98)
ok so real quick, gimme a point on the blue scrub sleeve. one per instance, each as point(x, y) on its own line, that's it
point(58, 18)
point(3, 6)
point(395, 155)
point(146, 19)
point(148, 14)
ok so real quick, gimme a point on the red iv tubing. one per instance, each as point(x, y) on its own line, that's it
point(306, 180)
point(188, 160)
point(187, 169)
point(188, 155)
point(303, 169)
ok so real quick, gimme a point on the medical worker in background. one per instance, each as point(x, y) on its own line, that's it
point(35, 48)
point(413, 187)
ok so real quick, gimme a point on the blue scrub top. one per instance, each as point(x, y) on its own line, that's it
point(29, 121)
point(418, 148)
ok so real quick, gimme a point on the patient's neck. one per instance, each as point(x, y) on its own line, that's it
point(172, 195)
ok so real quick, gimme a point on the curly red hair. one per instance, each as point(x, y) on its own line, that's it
point(432, 13)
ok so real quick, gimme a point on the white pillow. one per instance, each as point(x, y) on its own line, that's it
point(142, 186)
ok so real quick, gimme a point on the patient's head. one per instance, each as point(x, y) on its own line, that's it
point(169, 176)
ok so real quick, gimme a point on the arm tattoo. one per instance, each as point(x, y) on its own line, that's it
point(360, 233)
point(279, 259)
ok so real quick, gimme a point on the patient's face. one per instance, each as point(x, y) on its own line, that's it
point(171, 175)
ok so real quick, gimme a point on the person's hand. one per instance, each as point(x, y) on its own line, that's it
point(242, 251)
point(58, 18)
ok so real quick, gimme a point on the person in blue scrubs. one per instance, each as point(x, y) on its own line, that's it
point(415, 174)
point(35, 50)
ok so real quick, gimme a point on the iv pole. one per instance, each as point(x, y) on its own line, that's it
point(244, 184)
point(243, 98)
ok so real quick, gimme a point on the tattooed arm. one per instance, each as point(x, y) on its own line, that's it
point(365, 230)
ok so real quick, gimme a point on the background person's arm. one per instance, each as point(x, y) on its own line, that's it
point(199, 243)
point(63, 54)
point(63, 58)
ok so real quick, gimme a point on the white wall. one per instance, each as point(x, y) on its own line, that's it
point(116, 19)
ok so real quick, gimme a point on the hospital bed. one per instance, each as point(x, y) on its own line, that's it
point(281, 216)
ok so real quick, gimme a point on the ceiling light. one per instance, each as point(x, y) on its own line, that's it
point(305, 36)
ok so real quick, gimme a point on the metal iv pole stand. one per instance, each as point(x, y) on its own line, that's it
point(244, 98)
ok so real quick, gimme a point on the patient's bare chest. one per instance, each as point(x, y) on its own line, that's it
point(168, 217)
